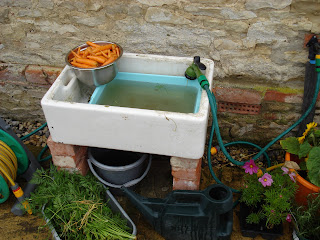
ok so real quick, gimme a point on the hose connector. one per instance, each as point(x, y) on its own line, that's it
point(214, 150)
point(18, 192)
point(203, 81)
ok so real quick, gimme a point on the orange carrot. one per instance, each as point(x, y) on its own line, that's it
point(94, 55)
point(97, 59)
point(110, 60)
point(117, 51)
point(92, 44)
point(87, 61)
point(74, 54)
point(85, 53)
point(80, 65)
point(101, 48)
point(113, 54)
point(103, 54)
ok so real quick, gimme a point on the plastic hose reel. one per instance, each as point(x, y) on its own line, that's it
point(18, 150)
point(22, 158)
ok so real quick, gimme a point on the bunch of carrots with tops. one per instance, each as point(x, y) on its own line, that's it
point(95, 55)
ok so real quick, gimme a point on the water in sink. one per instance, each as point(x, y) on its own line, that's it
point(147, 91)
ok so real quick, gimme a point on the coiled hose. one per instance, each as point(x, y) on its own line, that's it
point(10, 167)
point(8, 171)
point(8, 163)
point(215, 127)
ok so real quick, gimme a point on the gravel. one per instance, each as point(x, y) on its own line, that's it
point(21, 129)
point(243, 154)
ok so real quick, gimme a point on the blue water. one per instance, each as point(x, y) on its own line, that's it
point(149, 91)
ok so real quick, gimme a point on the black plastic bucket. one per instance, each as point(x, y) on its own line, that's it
point(116, 168)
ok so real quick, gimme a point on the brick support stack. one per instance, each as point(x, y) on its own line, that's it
point(69, 157)
point(186, 173)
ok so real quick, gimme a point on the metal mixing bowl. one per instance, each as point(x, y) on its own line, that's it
point(95, 76)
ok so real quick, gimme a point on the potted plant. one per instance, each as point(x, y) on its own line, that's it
point(266, 201)
point(305, 151)
point(306, 219)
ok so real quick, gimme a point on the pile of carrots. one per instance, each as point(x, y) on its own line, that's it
point(95, 55)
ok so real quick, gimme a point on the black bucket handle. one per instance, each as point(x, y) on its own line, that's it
point(127, 184)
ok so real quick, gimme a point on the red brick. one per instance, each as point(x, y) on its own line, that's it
point(69, 161)
point(181, 184)
point(276, 96)
point(187, 174)
point(52, 73)
point(42, 75)
point(79, 163)
point(81, 168)
point(241, 108)
point(235, 95)
point(184, 163)
point(60, 149)
point(65, 161)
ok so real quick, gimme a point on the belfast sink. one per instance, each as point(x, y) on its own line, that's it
point(125, 114)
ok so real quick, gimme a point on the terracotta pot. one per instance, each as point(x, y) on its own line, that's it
point(305, 187)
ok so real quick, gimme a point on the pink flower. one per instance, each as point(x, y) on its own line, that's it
point(266, 180)
point(285, 170)
point(272, 211)
point(250, 167)
point(292, 176)
point(288, 218)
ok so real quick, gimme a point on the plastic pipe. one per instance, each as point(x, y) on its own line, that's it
point(215, 125)
point(33, 132)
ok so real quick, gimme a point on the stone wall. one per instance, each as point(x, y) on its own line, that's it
point(257, 46)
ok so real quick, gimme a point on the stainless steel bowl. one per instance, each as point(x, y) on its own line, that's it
point(95, 76)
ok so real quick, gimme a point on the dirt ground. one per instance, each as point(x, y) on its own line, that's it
point(157, 184)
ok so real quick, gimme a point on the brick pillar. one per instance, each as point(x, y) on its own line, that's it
point(186, 173)
point(69, 157)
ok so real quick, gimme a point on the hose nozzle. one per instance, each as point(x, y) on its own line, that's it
point(194, 71)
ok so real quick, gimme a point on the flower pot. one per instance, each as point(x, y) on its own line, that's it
point(304, 187)
point(253, 230)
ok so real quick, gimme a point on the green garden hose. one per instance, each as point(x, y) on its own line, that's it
point(215, 127)
point(33, 132)
point(9, 165)
point(39, 157)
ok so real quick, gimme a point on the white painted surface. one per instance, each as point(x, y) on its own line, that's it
point(71, 120)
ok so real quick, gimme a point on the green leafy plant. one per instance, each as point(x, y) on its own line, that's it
point(307, 218)
point(269, 195)
point(75, 206)
point(307, 146)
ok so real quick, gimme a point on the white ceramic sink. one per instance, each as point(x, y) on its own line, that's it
point(72, 120)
